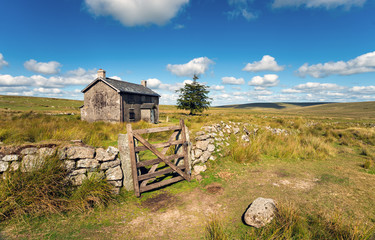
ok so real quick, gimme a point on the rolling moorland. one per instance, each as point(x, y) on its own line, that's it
point(319, 168)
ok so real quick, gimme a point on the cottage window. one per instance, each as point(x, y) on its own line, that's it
point(131, 99)
point(131, 115)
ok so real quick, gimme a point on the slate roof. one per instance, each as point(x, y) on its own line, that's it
point(124, 87)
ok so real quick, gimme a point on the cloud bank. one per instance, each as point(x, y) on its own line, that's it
point(328, 4)
point(2, 61)
point(241, 8)
point(52, 67)
point(268, 80)
point(267, 63)
point(361, 64)
point(232, 80)
point(137, 12)
point(196, 66)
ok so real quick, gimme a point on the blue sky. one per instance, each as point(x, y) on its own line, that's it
point(245, 50)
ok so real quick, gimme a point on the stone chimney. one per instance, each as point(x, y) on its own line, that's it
point(144, 83)
point(101, 73)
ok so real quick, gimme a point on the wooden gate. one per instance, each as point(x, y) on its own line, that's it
point(152, 170)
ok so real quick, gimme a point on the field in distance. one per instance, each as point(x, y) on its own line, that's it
point(363, 110)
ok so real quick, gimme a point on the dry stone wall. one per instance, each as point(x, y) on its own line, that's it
point(80, 161)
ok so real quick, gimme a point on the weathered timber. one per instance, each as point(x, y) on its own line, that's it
point(161, 184)
point(159, 145)
point(157, 173)
point(158, 160)
point(185, 147)
point(154, 130)
point(160, 155)
point(164, 151)
point(133, 161)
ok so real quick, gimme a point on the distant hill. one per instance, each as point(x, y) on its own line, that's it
point(22, 103)
point(282, 105)
point(350, 110)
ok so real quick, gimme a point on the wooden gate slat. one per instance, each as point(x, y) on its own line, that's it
point(154, 130)
point(158, 160)
point(141, 181)
point(164, 151)
point(161, 184)
point(157, 173)
point(160, 155)
point(159, 145)
point(133, 161)
point(185, 148)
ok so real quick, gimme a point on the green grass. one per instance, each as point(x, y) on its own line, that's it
point(45, 190)
point(323, 166)
point(17, 103)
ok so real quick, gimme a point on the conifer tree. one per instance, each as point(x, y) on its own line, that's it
point(193, 97)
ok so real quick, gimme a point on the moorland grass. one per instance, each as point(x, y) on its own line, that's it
point(45, 190)
point(290, 223)
point(309, 138)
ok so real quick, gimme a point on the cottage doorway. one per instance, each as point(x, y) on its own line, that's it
point(152, 117)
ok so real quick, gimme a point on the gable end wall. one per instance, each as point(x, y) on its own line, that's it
point(101, 103)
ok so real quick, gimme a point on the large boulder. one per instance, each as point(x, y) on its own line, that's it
point(3, 166)
point(10, 158)
point(77, 152)
point(205, 156)
point(260, 212)
point(28, 151)
point(106, 155)
point(198, 169)
point(30, 163)
point(87, 163)
point(45, 152)
point(114, 173)
point(202, 145)
point(110, 164)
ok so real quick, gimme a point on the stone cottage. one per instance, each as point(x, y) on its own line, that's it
point(111, 100)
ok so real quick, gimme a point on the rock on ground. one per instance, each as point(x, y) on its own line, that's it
point(260, 212)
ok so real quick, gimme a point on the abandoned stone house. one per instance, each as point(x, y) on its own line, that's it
point(111, 100)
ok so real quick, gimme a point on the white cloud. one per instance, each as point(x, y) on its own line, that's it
point(196, 66)
point(51, 67)
point(363, 89)
point(116, 77)
point(328, 4)
point(47, 90)
point(361, 64)
point(268, 80)
point(291, 90)
point(79, 76)
point(317, 87)
point(153, 83)
point(2, 61)
point(260, 92)
point(267, 63)
point(232, 80)
point(241, 8)
point(137, 12)
point(179, 26)
point(217, 87)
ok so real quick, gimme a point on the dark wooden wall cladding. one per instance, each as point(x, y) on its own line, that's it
point(155, 173)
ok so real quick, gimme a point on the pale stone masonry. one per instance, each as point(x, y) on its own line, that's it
point(111, 100)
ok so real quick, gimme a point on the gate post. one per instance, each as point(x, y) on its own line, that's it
point(123, 145)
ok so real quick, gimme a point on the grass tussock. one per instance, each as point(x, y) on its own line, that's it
point(290, 223)
point(215, 230)
point(46, 190)
point(94, 192)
